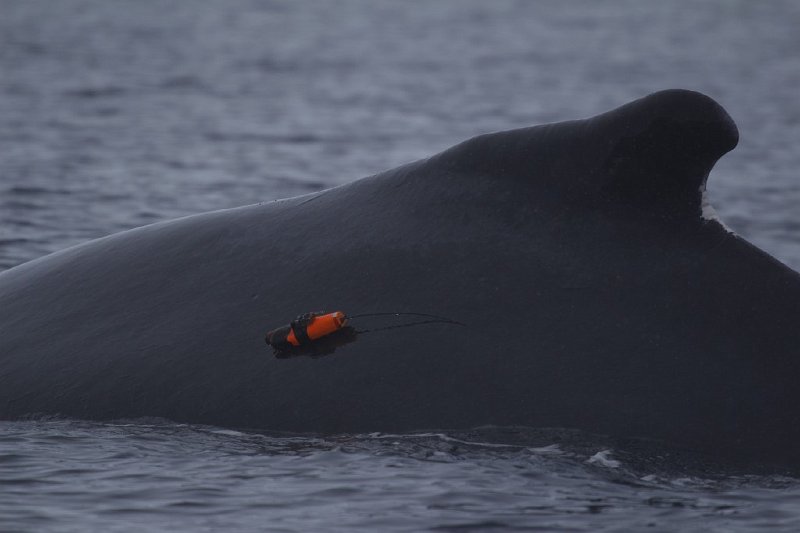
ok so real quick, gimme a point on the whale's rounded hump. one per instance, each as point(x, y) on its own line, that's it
point(664, 146)
point(653, 154)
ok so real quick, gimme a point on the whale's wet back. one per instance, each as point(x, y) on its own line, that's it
point(615, 306)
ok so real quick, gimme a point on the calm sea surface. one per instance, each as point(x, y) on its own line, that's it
point(119, 114)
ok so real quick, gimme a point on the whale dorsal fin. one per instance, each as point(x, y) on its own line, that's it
point(654, 153)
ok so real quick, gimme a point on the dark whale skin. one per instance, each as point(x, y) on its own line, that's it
point(596, 296)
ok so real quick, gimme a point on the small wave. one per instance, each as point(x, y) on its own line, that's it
point(33, 190)
point(182, 82)
point(603, 458)
point(285, 138)
point(96, 92)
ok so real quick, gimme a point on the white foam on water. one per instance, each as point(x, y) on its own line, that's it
point(603, 458)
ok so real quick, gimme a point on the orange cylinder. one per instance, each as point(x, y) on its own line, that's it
point(319, 326)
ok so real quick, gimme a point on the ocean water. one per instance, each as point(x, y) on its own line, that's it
point(119, 114)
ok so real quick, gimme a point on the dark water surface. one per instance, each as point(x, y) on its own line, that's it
point(77, 476)
point(119, 114)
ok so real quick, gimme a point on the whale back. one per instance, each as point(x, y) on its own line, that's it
point(595, 295)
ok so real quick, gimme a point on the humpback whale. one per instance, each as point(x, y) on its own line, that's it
point(596, 295)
